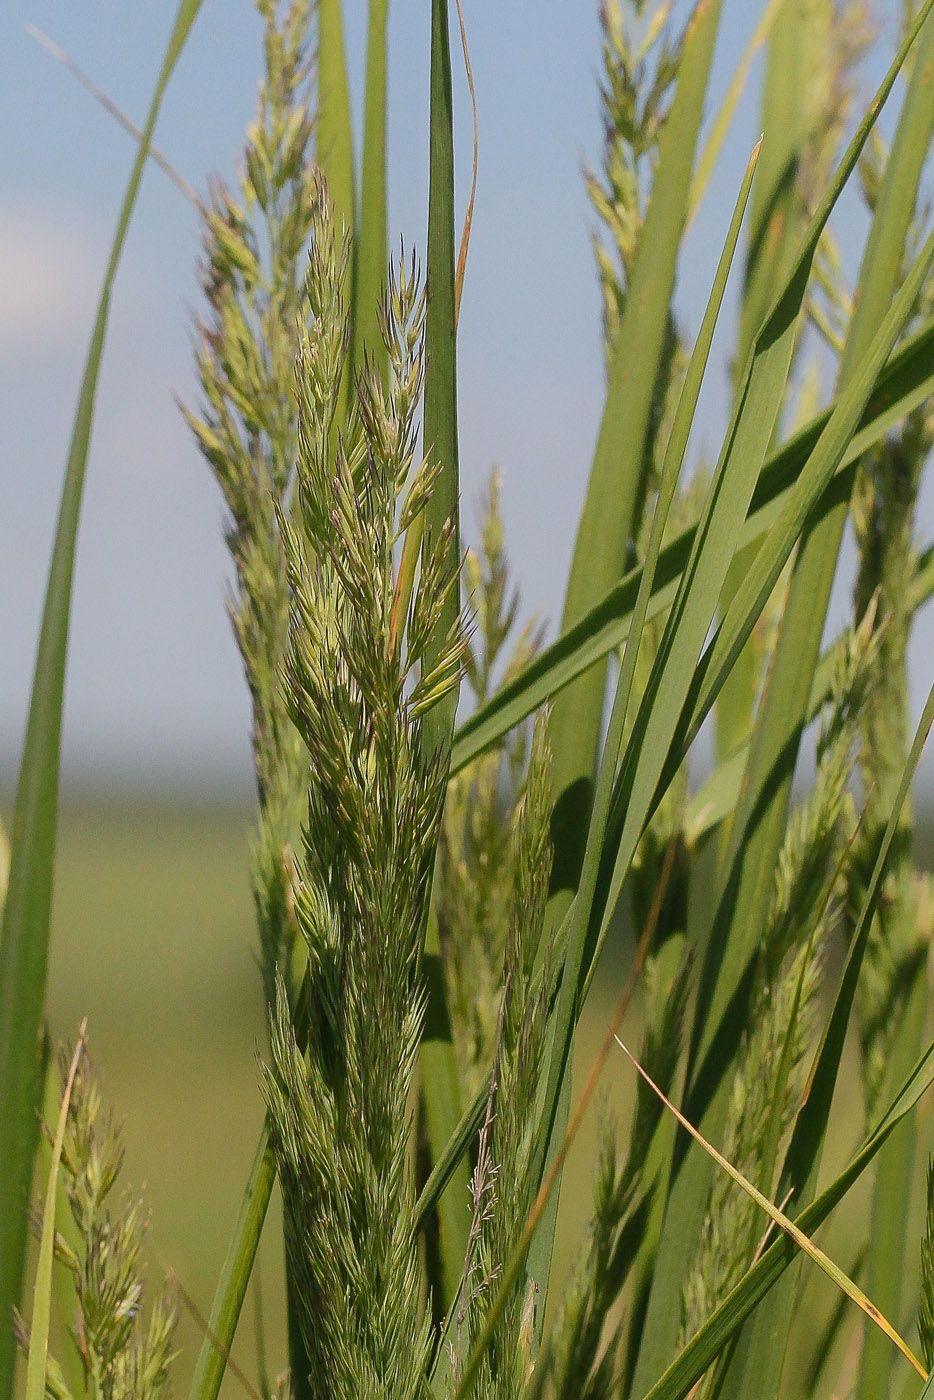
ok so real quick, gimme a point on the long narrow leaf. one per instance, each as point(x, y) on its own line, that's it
point(776, 220)
point(235, 1275)
point(906, 382)
point(371, 256)
point(25, 935)
point(439, 1075)
point(618, 463)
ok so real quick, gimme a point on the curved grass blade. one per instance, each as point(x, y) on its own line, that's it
point(907, 381)
point(109, 106)
point(42, 1292)
point(804, 1243)
point(25, 933)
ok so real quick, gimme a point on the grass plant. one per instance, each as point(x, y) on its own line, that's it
point(434, 887)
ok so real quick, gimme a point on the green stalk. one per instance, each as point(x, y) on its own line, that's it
point(616, 477)
point(24, 941)
point(235, 1275)
point(440, 1087)
point(775, 225)
point(334, 152)
point(371, 256)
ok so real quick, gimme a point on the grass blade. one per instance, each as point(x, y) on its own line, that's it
point(616, 475)
point(439, 1074)
point(25, 934)
point(776, 220)
point(727, 109)
point(907, 380)
point(334, 152)
point(372, 256)
point(42, 1292)
point(235, 1275)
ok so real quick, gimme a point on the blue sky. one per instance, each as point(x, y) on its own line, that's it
point(154, 687)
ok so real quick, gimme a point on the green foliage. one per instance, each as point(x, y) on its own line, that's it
point(432, 902)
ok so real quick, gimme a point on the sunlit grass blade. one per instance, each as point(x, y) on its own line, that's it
point(907, 380)
point(439, 1076)
point(775, 223)
point(25, 932)
point(37, 1359)
point(333, 125)
point(334, 150)
point(616, 475)
point(804, 1243)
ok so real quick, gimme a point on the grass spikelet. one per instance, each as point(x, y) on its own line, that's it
point(246, 427)
point(123, 1357)
point(342, 1117)
point(504, 1187)
point(475, 874)
point(926, 1304)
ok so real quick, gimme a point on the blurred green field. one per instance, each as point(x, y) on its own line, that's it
point(153, 941)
